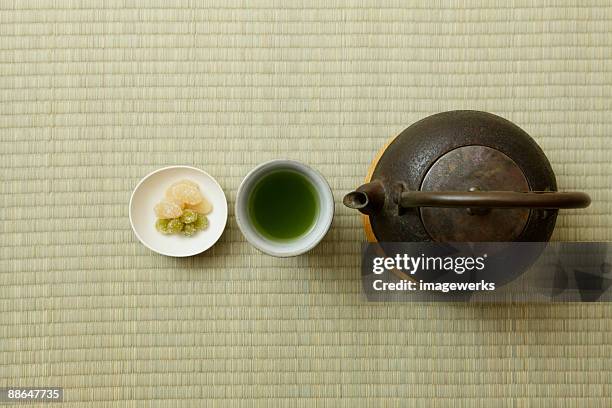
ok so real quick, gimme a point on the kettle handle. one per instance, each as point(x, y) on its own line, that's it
point(494, 199)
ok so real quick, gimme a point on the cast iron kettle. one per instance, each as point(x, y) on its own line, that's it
point(461, 176)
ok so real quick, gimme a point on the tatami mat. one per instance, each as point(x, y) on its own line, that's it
point(94, 95)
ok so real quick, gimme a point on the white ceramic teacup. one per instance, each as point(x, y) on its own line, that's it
point(298, 245)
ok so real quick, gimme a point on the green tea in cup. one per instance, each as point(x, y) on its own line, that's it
point(283, 205)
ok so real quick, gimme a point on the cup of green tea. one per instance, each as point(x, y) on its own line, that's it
point(284, 207)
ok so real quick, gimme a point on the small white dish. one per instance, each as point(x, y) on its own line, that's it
point(150, 191)
point(299, 245)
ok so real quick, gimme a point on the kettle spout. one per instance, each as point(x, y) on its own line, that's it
point(356, 200)
point(368, 198)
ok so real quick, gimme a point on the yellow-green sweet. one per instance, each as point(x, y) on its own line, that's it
point(189, 230)
point(201, 222)
point(175, 226)
point(162, 225)
point(189, 216)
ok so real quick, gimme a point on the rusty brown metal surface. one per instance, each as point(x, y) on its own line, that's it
point(484, 169)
